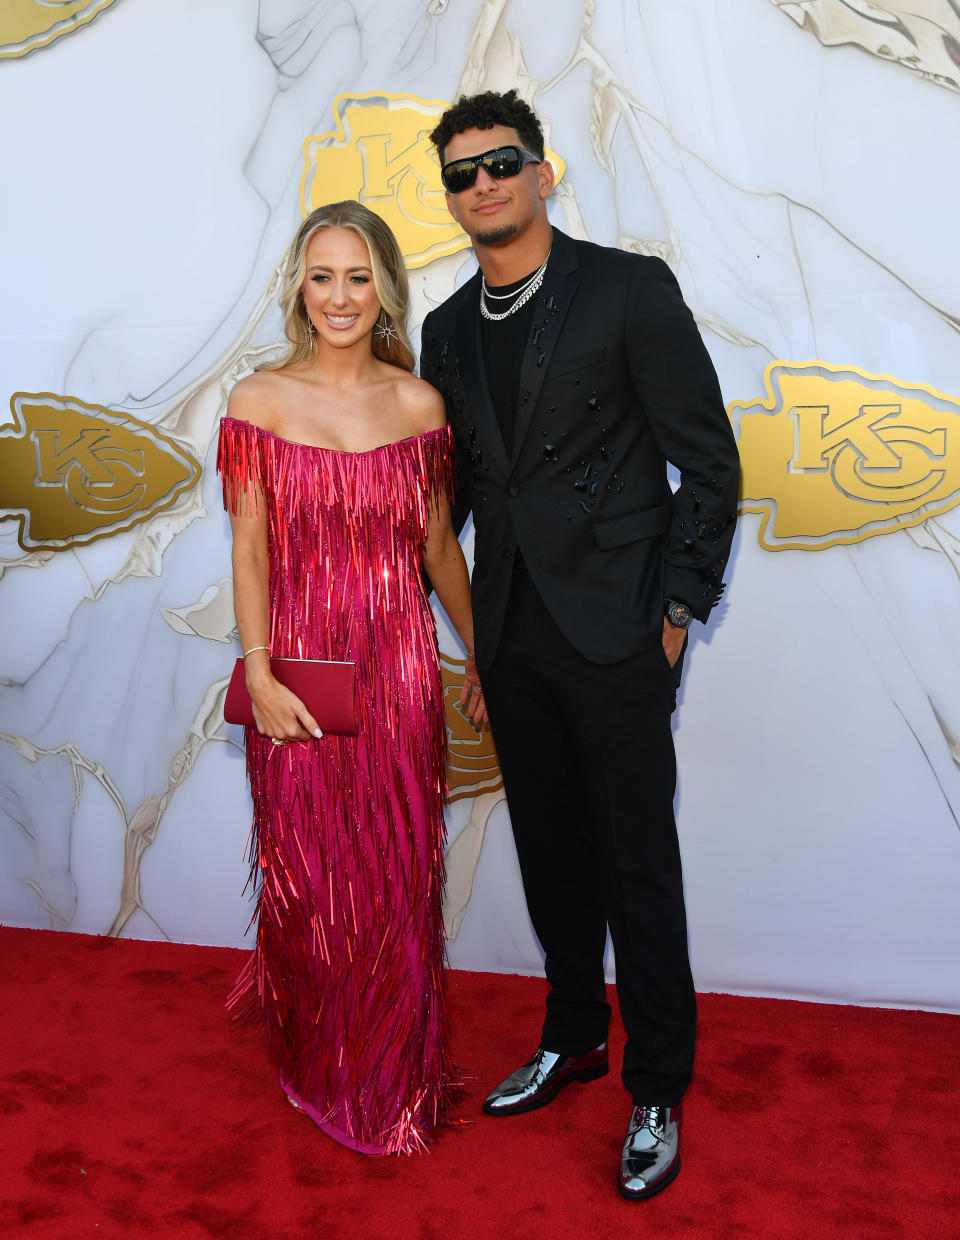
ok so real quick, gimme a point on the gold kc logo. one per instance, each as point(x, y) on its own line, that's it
point(28, 25)
point(836, 455)
point(379, 152)
point(71, 473)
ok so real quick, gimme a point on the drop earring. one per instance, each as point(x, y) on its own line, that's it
point(386, 332)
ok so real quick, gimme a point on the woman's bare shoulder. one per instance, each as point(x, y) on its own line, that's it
point(421, 405)
point(254, 399)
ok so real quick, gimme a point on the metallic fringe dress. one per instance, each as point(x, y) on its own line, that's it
point(347, 974)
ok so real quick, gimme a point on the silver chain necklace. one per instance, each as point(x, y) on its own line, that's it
point(523, 294)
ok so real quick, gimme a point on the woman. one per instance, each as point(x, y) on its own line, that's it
point(336, 465)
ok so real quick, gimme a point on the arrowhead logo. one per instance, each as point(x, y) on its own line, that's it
point(380, 153)
point(27, 25)
point(71, 473)
point(835, 455)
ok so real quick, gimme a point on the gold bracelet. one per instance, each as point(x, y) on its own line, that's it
point(253, 648)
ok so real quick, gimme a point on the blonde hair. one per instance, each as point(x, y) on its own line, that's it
point(389, 280)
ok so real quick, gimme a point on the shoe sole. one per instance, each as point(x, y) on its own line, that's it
point(651, 1192)
point(582, 1077)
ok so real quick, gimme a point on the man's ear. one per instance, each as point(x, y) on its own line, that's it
point(546, 178)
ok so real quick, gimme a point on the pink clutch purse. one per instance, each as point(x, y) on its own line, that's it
point(326, 688)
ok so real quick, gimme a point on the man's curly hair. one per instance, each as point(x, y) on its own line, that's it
point(483, 112)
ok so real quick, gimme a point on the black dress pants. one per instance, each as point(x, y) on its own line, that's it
point(589, 767)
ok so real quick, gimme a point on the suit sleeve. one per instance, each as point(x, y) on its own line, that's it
point(434, 368)
point(680, 395)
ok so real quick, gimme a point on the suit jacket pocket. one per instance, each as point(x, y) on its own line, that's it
point(567, 365)
point(631, 527)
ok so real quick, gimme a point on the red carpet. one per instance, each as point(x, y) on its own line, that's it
point(131, 1109)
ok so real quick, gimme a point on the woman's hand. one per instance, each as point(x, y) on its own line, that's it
point(471, 695)
point(278, 712)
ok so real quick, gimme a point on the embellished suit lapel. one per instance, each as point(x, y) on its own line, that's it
point(553, 302)
point(473, 376)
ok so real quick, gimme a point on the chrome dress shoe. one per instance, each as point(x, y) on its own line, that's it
point(539, 1081)
point(651, 1152)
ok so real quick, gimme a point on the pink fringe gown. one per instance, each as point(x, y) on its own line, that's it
point(347, 973)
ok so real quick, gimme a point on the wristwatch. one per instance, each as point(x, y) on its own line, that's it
point(679, 614)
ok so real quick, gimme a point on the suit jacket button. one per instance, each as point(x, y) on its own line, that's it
point(513, 491)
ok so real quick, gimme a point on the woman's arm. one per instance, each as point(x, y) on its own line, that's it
point(278, 712)
point(447, 569)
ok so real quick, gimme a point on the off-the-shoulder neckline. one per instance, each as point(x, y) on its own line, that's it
point(312, 447)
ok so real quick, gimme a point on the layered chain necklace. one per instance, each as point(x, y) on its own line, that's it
point(522, 294)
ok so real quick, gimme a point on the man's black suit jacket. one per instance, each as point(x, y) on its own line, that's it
point(615, 382)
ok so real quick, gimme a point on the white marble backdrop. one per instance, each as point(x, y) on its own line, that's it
point(793, 162)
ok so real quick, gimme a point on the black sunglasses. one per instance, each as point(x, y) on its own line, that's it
point(502, 161)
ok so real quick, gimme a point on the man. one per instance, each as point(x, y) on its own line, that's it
point(572, 374)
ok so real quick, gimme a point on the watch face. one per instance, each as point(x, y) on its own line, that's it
point(679, 614)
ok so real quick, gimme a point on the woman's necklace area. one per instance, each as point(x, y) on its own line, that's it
point(522, 294)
